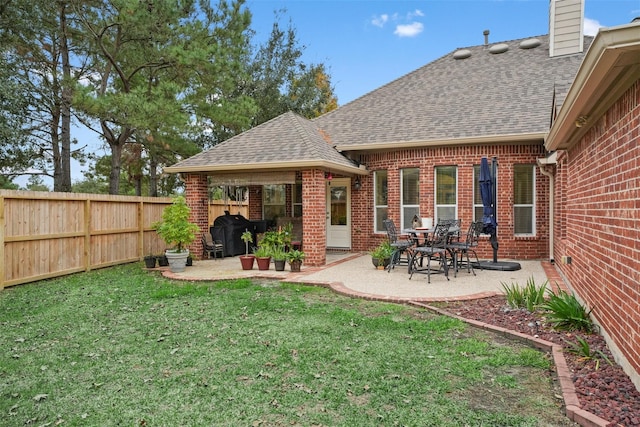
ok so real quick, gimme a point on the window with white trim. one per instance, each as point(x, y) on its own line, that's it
point(446, 192)
point(524, 196)
point(409, 195)
point(297, 199)
point(380, 200)
point(274, 201)
point(477, 198)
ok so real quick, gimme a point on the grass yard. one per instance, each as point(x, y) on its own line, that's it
point(123, 347)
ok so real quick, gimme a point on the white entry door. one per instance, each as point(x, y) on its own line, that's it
point(339, 213)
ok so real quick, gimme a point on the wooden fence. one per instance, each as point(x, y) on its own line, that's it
point(45, 235)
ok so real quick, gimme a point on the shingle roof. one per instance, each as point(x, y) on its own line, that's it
point(286, 139)
point(486, 94)
point(483, 96)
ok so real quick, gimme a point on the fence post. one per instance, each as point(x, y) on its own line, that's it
point(2, 263)
point(141, 249)
point(87, 234)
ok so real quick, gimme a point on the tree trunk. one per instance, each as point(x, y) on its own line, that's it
point(153, 177)
point(65, 108)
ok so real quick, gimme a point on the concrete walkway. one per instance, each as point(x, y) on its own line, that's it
point(354, 274)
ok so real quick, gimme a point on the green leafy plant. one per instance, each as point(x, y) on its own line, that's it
point(530, 296)
point(567, 313)
point(383, 251)
point(262, 252)
point(582, 349)
point(295, 255)
point(278, 253)
point(246, 237)
point(175, 228)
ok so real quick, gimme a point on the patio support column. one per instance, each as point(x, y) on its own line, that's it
point(314, 217)
point(197, 195)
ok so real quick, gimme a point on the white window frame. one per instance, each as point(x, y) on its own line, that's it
point(296, 189)
point(403, 220)
point(435, 198)
point(379, 228)
point(528, 205)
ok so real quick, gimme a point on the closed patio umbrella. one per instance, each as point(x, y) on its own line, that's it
point(487, 193)
point(486, 181)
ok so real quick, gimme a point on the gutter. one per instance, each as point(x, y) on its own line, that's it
point(550, 161)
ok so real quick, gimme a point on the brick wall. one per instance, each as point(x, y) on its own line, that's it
point(314, 204)
point(599, 225)
point(464, 158)
point(198, 200)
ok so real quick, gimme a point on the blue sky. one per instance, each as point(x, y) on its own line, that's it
point(368, 43)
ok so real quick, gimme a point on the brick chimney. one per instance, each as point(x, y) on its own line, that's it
point(566, 27)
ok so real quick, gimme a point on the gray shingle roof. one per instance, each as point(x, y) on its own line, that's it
point(285, 139)
point(486, 94)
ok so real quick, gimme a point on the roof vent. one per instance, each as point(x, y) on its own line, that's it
point(529, 43)
point(499, 48)
point(462, 54)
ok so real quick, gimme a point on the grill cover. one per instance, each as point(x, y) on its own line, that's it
point(234, 226)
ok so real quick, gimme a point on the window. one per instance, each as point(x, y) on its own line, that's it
point(523, 199)
point(446, 192)
point(273, 201)
point(297, 199)
point(477, 198)
point(410, 195)
point(380, 200)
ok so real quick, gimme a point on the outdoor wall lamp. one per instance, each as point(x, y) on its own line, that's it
point(328, 176)
point(357, 183)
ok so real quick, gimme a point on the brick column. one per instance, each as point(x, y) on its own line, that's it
point(314, 222)
point(197, 195)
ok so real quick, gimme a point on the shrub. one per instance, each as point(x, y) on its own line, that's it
point(582, 349)
point(567, 313)
point(530, 296)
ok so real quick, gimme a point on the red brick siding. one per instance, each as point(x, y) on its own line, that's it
point(197, 195)
point(599, 224)
point(464, 158)
point(314, 202)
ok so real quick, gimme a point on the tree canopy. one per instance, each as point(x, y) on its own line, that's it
point(157, 81)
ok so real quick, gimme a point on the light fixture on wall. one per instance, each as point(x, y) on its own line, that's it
point(328, 176)
point(357, 183)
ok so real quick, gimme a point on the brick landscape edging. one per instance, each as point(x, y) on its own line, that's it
point(572, 404)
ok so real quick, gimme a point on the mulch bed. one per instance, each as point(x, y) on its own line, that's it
point(604, 389)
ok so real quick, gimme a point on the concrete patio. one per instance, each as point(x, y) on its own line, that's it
point(353, 274)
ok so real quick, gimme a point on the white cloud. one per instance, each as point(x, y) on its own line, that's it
point(379, 21)
point(410, 30)
point(415, 13)
point(591, 27)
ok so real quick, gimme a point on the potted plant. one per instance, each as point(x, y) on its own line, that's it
point(381, 255)
point(247, 260)
point(263, 257)
point(295, 258)
point(177, 231)
point(150, 261)
point(279, 257)
point(162, 260)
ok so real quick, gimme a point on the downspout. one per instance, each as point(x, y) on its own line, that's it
point(551, 160)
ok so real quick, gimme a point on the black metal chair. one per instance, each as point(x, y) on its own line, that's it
point(209, 245)
point(435, 250)
point(461, 250)
point(399, 245)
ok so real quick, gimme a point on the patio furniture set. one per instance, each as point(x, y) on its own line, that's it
point(441, 247)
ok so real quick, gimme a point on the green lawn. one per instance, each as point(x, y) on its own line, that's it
point(123, 347)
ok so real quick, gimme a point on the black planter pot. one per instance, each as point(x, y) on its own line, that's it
point(279, 264)
point(189, 261)
point(162, 261)
point(150, 261)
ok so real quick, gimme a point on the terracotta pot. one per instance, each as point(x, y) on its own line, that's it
point(247, 262)
point(263, 263)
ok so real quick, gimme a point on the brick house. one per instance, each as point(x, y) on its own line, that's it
point(562, 124)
